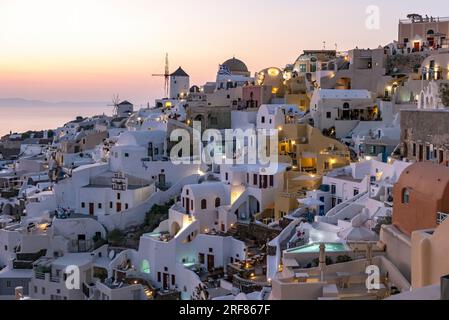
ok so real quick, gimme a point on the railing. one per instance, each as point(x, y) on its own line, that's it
point(424, 20)
point(51, 277)
point(336, 153)
point(39, 275)
point(293, 195)
point(441, 217)
point(81, 246)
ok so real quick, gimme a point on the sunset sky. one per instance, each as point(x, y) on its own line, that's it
point(82, 50)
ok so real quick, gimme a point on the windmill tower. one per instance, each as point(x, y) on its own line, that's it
point(115, 103)
point(166, 76)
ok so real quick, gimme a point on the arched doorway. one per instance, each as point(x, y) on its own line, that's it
point(200, 118)
point(145, 267)
point(254, 206)
point(175, 228)
point(431, 38)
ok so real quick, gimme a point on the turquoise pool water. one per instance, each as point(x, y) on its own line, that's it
point(153, 234)
point(315, 248)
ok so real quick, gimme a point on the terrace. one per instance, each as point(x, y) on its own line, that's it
point(421, 19)
point(344, 281)
point(249, 275)
point(159, 236)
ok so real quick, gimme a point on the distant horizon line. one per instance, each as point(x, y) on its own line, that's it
point(16, 101)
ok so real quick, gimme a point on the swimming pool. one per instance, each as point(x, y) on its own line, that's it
point(156, 235)
point(315, 248)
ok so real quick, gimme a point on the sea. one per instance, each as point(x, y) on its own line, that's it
point(24, 118)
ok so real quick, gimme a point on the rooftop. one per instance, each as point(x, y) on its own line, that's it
point(423, 19)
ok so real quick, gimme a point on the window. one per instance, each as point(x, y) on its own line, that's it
point(414, 149)
point(326, 165)
point(201, 258)
point(35, 289)
point(43, 290)
point(356, 192)
point(303, 68)
point(126, 206)
point(158, 277)
point(217, 202)
point(118, 196)
point(111, 205)
point(333, 189)
point(263, 120)
point(406, 196)
point(211, 250)
point(100, 206)
point(271, 181)
point(255, 179)
point(226, 176)
point(328, 115)
point(8, 284)
point(6, 248)
point(405, 40)
point(83, 205)
point(126, 155)
point(173, 279)
point(203, 204)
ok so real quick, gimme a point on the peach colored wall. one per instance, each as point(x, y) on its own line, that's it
point(261, 94)
point(411, 30)
point(429, 256)
point(419, 214)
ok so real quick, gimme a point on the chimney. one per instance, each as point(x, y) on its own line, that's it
point(445, 288)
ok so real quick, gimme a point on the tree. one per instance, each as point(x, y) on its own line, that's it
point(343, 259)
point(316, 262)
point(444, 94)
point(157, 214)
point(26, 135)
point(116, 237)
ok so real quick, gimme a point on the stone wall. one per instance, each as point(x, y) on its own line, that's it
point(424, 127)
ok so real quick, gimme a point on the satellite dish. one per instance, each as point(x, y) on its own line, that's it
point(112, 254)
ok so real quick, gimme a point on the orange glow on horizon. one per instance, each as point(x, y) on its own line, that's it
point(88, 50)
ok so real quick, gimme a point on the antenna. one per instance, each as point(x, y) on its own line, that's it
point(166, 75)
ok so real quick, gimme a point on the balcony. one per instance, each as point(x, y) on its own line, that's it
point(81, 246)
point(47, 276)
